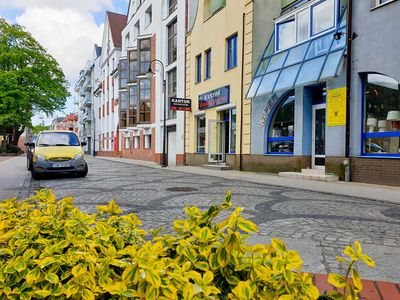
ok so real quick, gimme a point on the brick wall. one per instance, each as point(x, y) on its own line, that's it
point(375, 170)
point(275, 164)
point(105, 153)
point(334, 165)
point(195, 159)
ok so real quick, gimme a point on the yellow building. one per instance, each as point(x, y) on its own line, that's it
point(218, 73)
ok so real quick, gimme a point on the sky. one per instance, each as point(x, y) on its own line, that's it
point(68, 29)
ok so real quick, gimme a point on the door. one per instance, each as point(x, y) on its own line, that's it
point(318, 136)
point(171, 148)
point(216, 141)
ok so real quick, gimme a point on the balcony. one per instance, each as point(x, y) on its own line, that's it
point(87, 101)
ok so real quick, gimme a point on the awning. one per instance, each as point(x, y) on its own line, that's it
point(317, 59)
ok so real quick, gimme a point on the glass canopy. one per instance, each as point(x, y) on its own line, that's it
point(316, 59)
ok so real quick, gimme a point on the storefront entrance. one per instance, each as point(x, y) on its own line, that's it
point(216, 141)
point(318, 136)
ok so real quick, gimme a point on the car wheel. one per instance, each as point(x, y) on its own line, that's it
point(35, 175)
point(84, 173)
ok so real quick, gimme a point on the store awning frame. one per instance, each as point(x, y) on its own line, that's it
point(314, 60)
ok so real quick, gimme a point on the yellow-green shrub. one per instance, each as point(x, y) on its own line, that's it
point(50, 249)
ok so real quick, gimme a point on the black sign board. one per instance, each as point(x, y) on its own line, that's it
point(180, 104)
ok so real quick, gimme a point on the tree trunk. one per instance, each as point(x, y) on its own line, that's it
point(16, 134)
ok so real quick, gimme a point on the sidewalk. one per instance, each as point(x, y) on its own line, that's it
point(362, 190)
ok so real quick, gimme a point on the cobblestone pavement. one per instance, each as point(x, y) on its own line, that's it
point(319, 225)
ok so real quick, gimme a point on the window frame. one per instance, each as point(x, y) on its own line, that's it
point(270, 121)
point(207, 64)
point(123, 69)
point(144, 101)
point(294, 14)
point(201, 149)
point(371, 135)
point(171, 84)
point(140, 50)
point(171, 40)
point(231, 55)
point(198, 68)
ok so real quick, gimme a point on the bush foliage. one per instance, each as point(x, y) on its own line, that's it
point(50, 249)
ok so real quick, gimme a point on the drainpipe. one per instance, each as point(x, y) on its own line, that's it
point(349, 36)
point(242, 98)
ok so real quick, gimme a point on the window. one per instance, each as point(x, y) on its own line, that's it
point(296, 27)
point(208, 64)
point(136, 142)
point(230, 130)
point(123, 73)
point(127, 42)
point(144, 101)
point(123, 109)
point(323, 16)
point(147, 141)
point(133, 105)
point(133, 65)
point(144, 55)
point(136, 30)
point(231, 52)
point(381, 116)
point(198, 68)
point(201, 134)
point(280, 138)
point(213, 6)
point(171, 77)
point(379, 2)
point(127, 143)
point(172, 5)
point(148, 16)
point(172, 42)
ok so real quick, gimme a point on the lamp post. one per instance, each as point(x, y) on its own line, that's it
point(150, 74)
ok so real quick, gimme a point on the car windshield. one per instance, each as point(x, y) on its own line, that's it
point(57, 139)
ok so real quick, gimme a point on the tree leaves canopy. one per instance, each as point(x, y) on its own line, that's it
point(31, 80)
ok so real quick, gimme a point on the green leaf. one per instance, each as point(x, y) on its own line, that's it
point(33, 275)
point(356, 279)
point(208, 277)
point(52, 277)
point(223, 257)
point(367, 260)
point(336, 280)
point(247, 226)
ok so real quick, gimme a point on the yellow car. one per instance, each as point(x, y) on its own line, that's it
point(58, 152)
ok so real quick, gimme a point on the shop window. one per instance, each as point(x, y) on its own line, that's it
point(171, 77)
point(123, 109)
point(381, 134)
point(144, 101)
point(123, 73)
point(280, 138)
point(144, 55)
point(231, 46)
point(172, 42)
point(133, 106)
point(295, 27)
point(198, 68)
point(201, 134)
point(133, 65)
point(208, 64)
point(230, 130)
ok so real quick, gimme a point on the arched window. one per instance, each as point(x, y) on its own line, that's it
point(280, 138)
point(381, 134)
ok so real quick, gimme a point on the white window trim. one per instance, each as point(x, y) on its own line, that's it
point(293, 14)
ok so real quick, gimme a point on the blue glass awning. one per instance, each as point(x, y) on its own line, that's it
point(317, 59)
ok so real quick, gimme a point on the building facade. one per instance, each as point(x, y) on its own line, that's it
point(218, 68)
point(298, 89)
point(154, 37)
point(107, 117)
point(375, 93)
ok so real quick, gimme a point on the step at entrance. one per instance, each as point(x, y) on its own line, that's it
point(311, 174)
point(220, 167)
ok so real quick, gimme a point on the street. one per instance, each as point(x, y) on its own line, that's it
point(317, 224)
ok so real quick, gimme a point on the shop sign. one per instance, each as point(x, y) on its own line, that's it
point(336, 107)
point(180, 104)
point(214, 98)
point(270, 104)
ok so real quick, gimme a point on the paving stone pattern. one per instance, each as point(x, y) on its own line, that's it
point(319, 225)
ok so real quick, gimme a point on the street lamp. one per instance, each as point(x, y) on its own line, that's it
point(150, 74)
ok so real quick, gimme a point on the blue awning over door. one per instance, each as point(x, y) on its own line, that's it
point(315, 60)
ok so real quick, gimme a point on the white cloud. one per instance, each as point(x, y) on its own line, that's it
point(82, 5)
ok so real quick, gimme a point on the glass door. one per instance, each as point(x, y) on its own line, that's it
point(318, 136)
point(216, 141)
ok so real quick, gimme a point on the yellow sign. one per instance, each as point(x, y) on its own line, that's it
point(336, 105)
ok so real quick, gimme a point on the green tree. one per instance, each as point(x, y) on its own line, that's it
point(38, 128)
point(31, 80)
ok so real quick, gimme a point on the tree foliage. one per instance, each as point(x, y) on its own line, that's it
point(39, 128)
point(31, 80)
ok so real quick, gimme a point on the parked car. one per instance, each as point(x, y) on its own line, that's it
point(58, 152)
point(29, 152)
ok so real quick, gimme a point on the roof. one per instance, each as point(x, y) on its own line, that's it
point(117, 24)
point(71, 117)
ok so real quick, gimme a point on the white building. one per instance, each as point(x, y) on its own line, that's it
point(153, 31)
point(85, 99)
point(106, 115)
